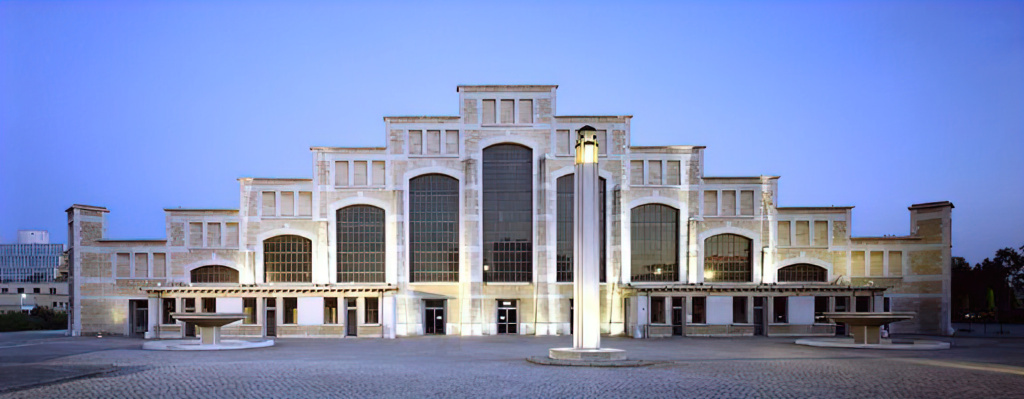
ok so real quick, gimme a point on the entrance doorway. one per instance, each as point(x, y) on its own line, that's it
point(189, 307)
point(433, 317)
point(351, 318)
point(678, 315)
point(139, 311)
point(572, 317)
point(508, 322)
point(759, 313)
point(270, 316)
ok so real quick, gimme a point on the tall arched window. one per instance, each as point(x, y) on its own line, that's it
point(802, 272)
point(565, 237)
point(360, 247)
point(288, 259)
point(727, 258)
point(508, 213)
point(214, 274)
point(654, 243)
point(434, 228)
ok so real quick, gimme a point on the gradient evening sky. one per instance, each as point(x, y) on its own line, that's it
point(138, 106)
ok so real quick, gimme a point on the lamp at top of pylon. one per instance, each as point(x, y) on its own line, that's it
point(586, 145)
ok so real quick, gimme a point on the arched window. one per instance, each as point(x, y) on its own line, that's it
point(565, 238)
point(802, 272)
point(360, 247)
point(214, 274)
point(434, 228)
point(727, 259)
point(288, 259)
point(508, 213)
point(654, 243)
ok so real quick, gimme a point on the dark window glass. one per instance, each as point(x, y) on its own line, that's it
point(291, 310)
point(209, 305)
point(249, 308)
point(372, 309)
point(658, 310)
point(842, 303)
point(434, 228)
point(698, 313)
point(802, 272)
point(780, 307)
point(214, 274)
point(739, 309)
point(727, 259)
point(288, 259)
point(654, 239)
point(565, 236)
point(820, 307)
point(330, 310)
point(360, 246)
point(169, 307)
point(508, 213)
point(863, 304)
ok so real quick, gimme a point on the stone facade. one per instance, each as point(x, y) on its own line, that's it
point(118, 283)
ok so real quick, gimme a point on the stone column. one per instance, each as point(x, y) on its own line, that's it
point(586, 256)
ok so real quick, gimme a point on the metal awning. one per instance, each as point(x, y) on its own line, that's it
point(264, 289)
point(738, 288)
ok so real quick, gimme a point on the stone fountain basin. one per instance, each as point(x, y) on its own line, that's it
point(869, 318)
point(209, 319)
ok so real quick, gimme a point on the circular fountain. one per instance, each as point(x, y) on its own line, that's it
point(209, 331)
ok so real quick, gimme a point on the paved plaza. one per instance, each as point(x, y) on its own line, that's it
point(49, 365)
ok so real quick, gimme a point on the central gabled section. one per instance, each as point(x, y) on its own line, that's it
point(508, 216)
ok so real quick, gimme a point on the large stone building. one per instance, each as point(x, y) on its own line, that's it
point(30, 273)
point(461, 225)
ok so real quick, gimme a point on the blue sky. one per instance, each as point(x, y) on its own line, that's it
point(138, 106)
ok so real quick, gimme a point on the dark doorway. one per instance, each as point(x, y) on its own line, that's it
point(507, 317)
point(351, 318)
point(759, 303)
point(139, 311)
point(572, 317)
point(842, 305)
point(864, 303)
point(678, 315)
point(433, 317)
point(209, 305)
point(189, 307)
point(271, 317)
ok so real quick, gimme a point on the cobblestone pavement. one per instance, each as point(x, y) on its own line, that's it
point(495, 367)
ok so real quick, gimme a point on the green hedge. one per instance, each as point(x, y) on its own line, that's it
point(37, 319)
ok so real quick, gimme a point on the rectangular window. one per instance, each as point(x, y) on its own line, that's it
point(213, 234)
point(330, 310)
point(602, 142)
point(159, 265)
point(802, 233)
point(21, 290)
point(673, 176)
point(729, 203)
point(895, 263)
point(739, 310)
point(305, 203)
point(269, 204)
point(820, 233)
point(378, 173)
point(506, 111)
point(784, 237)
point(340, 173)
point(359, 173)
point(209, 305)
point(415, 142)
point(291, 310)
point(3, 290)
point(489, 112)
point(141, 265)
point(433, 140)
point(35, 290)
point(698, 311)
point(863, 303)
point(451, 142)
point(53, 291)
point(249, 308)
point(563, 141)
point(287, 203)
point(525, 111)
point(636, 173)
point(195, 234)
point(877, 263)
point(820, 307)
point(231, 235)
point(170, 304)
point(658, 310)
point(857, 263)
point(780, 308)
point(654, 173)
point(710, 203)
point(746, 202)
point(124, 265)
point(372, 309)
